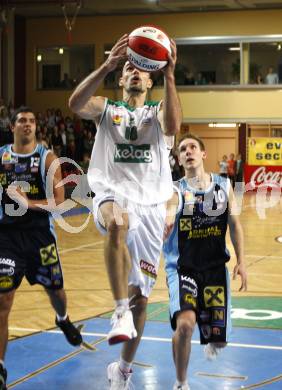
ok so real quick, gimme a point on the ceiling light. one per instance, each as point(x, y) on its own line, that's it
point(107, 52)
point(235, 48)
point(279, 46)
point(39, 58)
point(222, 124)
point(61, 50)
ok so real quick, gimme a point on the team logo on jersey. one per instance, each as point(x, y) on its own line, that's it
point(117, 120)
point(48, 255)
point(7, 158)
point(148, 269)
point(214, 296)
point(128, 153)
point(185, 224)
point(20, 167)
point(3, 179)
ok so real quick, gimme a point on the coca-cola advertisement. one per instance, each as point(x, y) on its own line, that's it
point(257, 176)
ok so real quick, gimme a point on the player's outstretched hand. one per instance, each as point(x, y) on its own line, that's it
point(170, 67)
point(240, 269)
point(117, 53)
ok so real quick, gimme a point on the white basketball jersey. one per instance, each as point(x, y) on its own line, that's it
point(129, 156)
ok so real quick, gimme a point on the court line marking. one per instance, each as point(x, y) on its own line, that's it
point(148, 338)
point(221, 376)
point(76, 248)
point(52, 364)
point(265, 382)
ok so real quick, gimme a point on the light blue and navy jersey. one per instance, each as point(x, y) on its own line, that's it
point(198, 239)
point(29, 169)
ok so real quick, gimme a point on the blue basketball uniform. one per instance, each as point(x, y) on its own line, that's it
point(195, 255)
point(27, 237)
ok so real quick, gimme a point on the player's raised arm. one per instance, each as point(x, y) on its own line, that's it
point(82, 100)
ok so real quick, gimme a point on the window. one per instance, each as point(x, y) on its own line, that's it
point(207, 64)
point(265, 63)
point(63, 67)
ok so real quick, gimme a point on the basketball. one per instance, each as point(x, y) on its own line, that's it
point(148, 48)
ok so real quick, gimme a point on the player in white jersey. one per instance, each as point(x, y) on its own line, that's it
point(130, 175)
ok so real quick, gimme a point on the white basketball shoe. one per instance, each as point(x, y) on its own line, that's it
point(211, 352)
point(123, 328)
point(117, 379)
point(181, 387)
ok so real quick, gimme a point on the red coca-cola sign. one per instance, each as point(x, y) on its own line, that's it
point(256, 176)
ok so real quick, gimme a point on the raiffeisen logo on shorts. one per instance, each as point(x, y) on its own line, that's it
point(128, 153)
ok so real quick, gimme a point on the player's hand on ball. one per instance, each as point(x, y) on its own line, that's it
point(117, 53)
point(172, 57)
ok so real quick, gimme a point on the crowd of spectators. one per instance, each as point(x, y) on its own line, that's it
point(67, 136)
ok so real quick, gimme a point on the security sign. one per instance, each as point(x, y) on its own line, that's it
point(265, 151)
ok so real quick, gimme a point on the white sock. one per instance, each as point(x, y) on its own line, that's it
point(178, 383)
point(122, 302)
point(59, 318)
point(124, 366)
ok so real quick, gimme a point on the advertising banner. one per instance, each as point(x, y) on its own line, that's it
point(265, 151)
point(271, 176)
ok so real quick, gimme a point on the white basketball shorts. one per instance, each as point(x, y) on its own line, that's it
point(144, 239)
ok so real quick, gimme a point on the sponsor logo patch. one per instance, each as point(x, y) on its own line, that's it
point(20, 167)
point(214, 296)
point(148, 269)
point(48, 255)
point(117, 120)
point(7, 158)
point(128, 153)
point(3, 179)
point(188, 298)
point(185, 224)
point(218, 317)
point(6, 282)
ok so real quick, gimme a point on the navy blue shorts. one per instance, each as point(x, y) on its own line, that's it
point(208, 294)
point(30, 253)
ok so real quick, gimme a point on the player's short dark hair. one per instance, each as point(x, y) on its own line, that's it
point(196, 138)
point(18, 111)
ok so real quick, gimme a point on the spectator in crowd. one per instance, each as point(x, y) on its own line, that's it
point(223, 166)
point(85, 162)
point(259, 79)
point(40, 140)
point(67, 82)
point(5, 134)
point(50, 118)
point(200, 80)
point(57, 142)
point(239, 174)
point(271, 77)
point(231, 168)
point(189, 79)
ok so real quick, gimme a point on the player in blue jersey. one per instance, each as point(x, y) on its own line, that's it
point(196, 255)
point(27, 237)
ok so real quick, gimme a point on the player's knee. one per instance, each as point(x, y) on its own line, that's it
point(140, 303)
point(185, 328)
